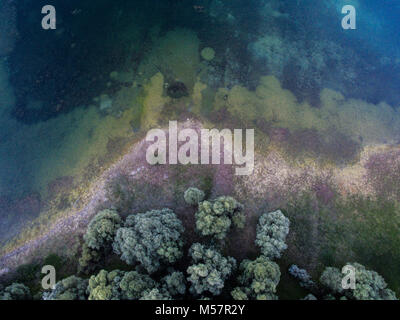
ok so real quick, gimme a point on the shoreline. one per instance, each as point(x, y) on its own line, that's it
point(272, 172)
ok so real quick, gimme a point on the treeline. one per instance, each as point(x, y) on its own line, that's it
point(160, 266)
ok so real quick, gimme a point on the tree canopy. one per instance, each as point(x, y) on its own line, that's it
point(102, 229)
point(301, 275)
point(174, 283)
point(193, 196)
point(16, 291)
point(71, 288)
point(119, 285)
point(152, 238)
point(209, 269)
point(89, 260)
point(331, 279)
point(258, 279)
point(151, 244)
point(156, 294)
point(369, 285)
point(272, 230)
point(214, 218)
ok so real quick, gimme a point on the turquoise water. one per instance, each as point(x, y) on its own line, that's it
point(64, 93)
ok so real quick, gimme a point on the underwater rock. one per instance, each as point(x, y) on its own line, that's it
point(105, 102)
point(177, 90)
point(208, 54)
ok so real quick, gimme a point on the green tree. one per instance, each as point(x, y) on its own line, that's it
point(105, 285)
point(369, 285)
point(193, 196)
point(102, 229)
point(174, 283)
point(331, 279)
point(28, 273)
point(54, 260)
point(214, 218)
point(119, 285)
point(89, 260)
point(239, 294)
point(71, 288)
point(156, 294)
point(272, 230)
point(258, 280)
point(134, 284)
point(209, 269)
point(152, 238)
point(302, 275)
point(16, 291)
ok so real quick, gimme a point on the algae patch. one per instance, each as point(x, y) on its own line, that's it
point(363, 121)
